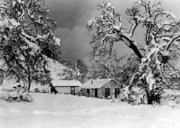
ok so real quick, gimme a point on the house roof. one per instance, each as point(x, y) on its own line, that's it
point(65, 83)
point(98, 83)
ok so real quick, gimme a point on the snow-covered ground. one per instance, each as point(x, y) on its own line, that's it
point(67, 111)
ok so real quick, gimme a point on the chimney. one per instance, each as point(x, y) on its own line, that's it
point(91, 81)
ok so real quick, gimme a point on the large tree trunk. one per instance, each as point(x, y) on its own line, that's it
point(130, 44)
point(148, 92)
point(149, 96)
point(29, 83)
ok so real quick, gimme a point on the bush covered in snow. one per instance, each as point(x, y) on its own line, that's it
point(171, 98)
point(15, 94)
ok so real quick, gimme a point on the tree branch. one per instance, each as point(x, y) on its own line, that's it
point(175, 38)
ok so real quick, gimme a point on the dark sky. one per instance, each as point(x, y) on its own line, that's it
point(73, 15)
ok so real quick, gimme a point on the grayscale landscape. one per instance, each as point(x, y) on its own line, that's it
point(89, 64)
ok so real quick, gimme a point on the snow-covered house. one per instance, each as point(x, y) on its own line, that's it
point(66, 86)
point(101, 88)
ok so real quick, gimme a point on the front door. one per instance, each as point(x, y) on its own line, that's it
point(96, 92)
point(73, 90)
point(117, 92)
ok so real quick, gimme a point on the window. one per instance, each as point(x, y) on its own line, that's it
point(107, 92)
point(88, 91)
point(73, 90)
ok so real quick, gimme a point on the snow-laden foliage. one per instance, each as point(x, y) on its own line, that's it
point(74, 71)
point(26, 34)
point(161, 42)
point(107, 67)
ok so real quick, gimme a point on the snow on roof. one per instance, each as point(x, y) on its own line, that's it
point(67, 83)
point(98, 83)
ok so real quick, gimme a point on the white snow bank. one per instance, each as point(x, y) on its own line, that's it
point(67, 111)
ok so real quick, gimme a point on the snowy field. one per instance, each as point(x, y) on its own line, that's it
point(67, 111)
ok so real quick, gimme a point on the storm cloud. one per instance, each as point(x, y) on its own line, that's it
point(68, 13)
point(73, 15)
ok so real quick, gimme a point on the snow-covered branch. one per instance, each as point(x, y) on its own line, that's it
point(109, 28)
point(26, 34)
point(162, 35)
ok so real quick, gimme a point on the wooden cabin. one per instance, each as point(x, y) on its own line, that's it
point(101, 88)
point(66, 86)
